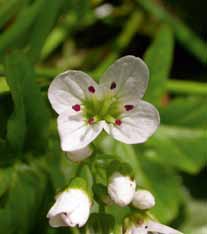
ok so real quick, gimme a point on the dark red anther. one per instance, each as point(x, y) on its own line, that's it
point(76, 107)
point(129, 107)
point(91, 89)
point(118, 122)
point(91, 120)
point(113, 85)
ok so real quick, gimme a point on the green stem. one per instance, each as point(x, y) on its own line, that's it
point(187, 87)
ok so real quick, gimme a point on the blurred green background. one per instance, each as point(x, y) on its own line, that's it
point(41, 38)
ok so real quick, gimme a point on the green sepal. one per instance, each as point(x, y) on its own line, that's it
point(81, 184)
point(138, 217)
point(123, 168)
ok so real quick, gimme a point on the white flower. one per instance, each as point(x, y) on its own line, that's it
point(103, 10)
point(72, 208)
point(80, 155)
point(115, 105)
point(121, 189)
point(143, 199)
point(151, 227)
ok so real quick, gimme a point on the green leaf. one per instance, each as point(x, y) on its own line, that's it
point(165, 186)
point(184, 149)
point(9, 37)
point(8, 9)
point(159, 59)
point(42, 27)
point(196, 217)
point(25, 196)
point(187, 112)
point(5, 178)
point(16, 127)
point(6, 221)
point(182, 32)
point(31, 115)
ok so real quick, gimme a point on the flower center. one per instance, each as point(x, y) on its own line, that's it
point(107, 109)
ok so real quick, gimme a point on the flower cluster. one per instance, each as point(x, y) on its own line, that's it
point(84, 109)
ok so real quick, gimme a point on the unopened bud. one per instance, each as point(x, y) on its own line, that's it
point(121, 189)
point(143, 199)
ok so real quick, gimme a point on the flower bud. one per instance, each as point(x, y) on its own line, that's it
point(80, 155)
point(121, 189)
point(72, 207)
point(143, 199)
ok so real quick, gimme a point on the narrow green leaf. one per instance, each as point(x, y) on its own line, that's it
point(16, 127)
point(5, 178)
point(43, 25)
point(159, 59)
point(31, 112)
point(20, 26)
point(182, 32)
point(8, 9)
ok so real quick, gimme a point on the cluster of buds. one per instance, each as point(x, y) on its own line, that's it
point(122, 187)
point(84, 110)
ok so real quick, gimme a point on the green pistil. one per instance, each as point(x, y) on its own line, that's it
point(107, 109)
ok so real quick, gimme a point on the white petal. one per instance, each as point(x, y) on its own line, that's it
point(68, 89)
point(137, 124)
point(143, 199)
point(75, 133)
point(80, 216)
point(71, 208)
point(160, 228)
point(139, 230)
point(121, 189)
point(79, 155)
point(57, 221)
point(65, 202)
point(130, 75)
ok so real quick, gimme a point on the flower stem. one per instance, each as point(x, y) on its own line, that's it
point(187, 87)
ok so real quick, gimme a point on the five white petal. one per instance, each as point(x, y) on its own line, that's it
point(130, 76)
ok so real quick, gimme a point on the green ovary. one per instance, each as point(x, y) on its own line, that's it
point(107, 109)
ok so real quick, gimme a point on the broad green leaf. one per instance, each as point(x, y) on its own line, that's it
point(166, 187)
point(6, 221)
point(159, 59)
point(25, 196)
point(188, 112)
point(42, 27)
point(184, 149)
point(31, 114)
point(196, 222)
